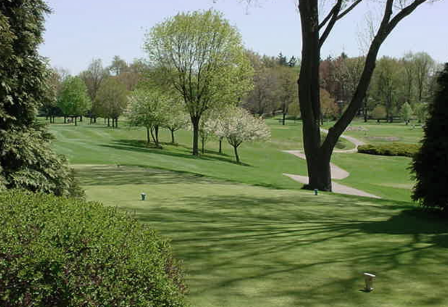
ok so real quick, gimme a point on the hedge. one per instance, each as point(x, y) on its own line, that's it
point(65, 252)
point(393, 149)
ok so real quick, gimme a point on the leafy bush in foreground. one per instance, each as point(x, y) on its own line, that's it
point(66, 252)
point(394, 149)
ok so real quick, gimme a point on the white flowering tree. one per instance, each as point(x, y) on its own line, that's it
point(149, 109)
point(176, 119)
point(240, 126)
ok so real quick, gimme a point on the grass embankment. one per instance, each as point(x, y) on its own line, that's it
point(253, 246)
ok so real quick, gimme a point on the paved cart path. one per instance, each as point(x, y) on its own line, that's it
point(336, 172)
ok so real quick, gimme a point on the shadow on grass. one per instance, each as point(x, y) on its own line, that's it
point(141, 146)
point(120, 175)
point(245, 240)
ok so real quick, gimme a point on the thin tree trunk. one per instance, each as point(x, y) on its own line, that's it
point(284, 117)
point(220, 145)
point(172, 136)
point(148, 138)
point(237, 158)
point(76, 122)
point(195, 123)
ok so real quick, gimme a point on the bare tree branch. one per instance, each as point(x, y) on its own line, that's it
point(334, 17)
point(347, 10)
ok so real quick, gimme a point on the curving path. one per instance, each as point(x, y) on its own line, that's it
point(336, 172)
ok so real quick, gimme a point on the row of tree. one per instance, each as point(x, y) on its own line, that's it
point(396, 85)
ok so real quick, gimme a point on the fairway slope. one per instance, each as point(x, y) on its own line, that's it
point(246, 246)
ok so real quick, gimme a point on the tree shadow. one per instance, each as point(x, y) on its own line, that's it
point(256, 240)
point(120, 175)
point(184, 152)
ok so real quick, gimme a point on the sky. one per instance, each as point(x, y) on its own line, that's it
point(79, 31)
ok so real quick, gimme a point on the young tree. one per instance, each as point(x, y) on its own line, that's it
point(421, 111)
point(430, 164)
point(26, 158)
point(176, 119)
point(379, 112)
point(240, 126)
point(73, 99)
point(112, 99)
point(148, 108)
point(314, 35)
point(406, 112)
point(201, 57)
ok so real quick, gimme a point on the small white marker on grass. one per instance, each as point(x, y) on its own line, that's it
point(369, 281)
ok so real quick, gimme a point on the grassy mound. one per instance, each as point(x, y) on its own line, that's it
point(63, 252)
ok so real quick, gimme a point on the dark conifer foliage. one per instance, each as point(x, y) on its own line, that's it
point(26, 160)
point(430, 165)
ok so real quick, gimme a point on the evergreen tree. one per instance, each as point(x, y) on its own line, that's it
point(26, 160)
point(430, 165)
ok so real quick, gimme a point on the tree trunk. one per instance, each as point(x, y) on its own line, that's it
point(220, 146)
point(108, 122)
point(172, 136)
point(237, 158)
point(65, 119)
point(76, 120)
point(148, 138)
point(319, 155)
point(284, 117)
point(80, 118)
point(195, 123)
point(156, 130)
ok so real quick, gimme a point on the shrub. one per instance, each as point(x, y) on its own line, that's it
point(66, 252)
point(394, 149)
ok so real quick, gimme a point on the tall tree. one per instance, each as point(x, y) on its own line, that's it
point(26, 159)
point(201, 56)
point(118, 66)
point(93, 77)
point(73, 99)
point(314, 34)
point(430, 164)
point(112, 99)
point(286, 91)
point(423, 65)
point(387, 85)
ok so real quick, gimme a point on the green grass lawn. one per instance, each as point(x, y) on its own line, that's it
point(263, 163)
point(385, 132)
point(246, 246)
point(248, 236)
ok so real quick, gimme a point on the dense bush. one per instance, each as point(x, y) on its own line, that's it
point(430, 164)
point(393, 149)
point(65, 252)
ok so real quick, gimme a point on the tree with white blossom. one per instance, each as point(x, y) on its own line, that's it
point(148, 108)
point(176, 119)
point(240, 126)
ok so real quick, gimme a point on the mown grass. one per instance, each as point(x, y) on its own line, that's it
point(253, 246)
point(263, 163)
point(385, 132)
point(247, 245)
